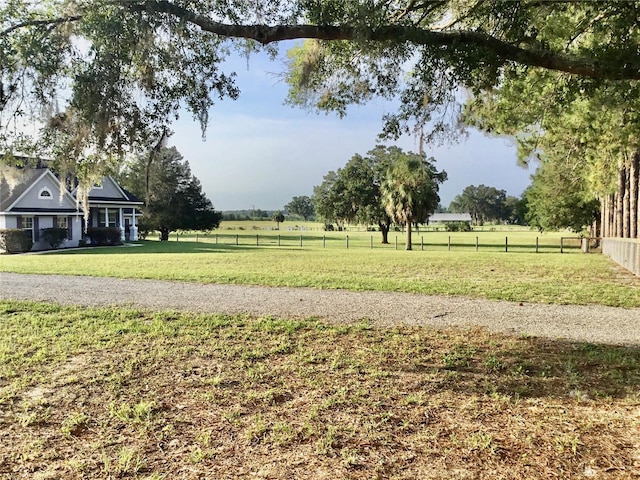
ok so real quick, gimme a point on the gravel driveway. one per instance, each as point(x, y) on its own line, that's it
point(579, 323)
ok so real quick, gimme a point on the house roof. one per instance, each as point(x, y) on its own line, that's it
point(118, 194)
point(16, 184)
point(10, 193)
point(450, 217)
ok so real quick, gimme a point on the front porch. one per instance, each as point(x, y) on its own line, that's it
point(122, 217)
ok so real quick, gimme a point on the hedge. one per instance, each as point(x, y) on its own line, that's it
point(54, 236)
point(15, 240)
point(104, 235)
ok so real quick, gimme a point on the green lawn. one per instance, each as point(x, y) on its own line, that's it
point(489, 273)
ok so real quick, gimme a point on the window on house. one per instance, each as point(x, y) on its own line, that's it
point(45, 194)
point(27, 224)
point(62, 222)
point(108, 217)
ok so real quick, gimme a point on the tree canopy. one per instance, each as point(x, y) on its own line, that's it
point(173, 196)
point(386, 185)
point(483, 203)
point(119, 70)
point(300, 205)
point(352, 194)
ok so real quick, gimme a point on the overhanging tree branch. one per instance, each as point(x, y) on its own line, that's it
point(37, 23)
point(453, 40)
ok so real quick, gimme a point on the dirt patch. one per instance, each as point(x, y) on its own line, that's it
point(60, 375)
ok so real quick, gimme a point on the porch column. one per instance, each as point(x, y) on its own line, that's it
point(133, 228)
point(121, 223)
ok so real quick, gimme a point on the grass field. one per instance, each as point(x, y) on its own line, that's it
point(324, 262)
point(114, 393)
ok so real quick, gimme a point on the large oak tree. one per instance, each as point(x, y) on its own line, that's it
point(108, 77)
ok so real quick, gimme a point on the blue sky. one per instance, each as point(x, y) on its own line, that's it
point(260, 153)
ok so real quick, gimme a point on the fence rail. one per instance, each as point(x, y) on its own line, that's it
point(397, 242)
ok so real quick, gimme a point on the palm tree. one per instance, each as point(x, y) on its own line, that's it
point(410, 190)
point(278, 217)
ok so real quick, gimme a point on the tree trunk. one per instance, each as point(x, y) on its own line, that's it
point(603, 216)
point(612, 217)
point(626, 201)
point(619, 214)
point(409, 245)
point(164, 234)
point(634, 177)
point(384, 229)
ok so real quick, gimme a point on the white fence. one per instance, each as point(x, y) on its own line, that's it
point(624, 251)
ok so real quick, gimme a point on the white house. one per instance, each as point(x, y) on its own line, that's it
point(36, 200)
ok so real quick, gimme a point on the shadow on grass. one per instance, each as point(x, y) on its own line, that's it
point(538, 367)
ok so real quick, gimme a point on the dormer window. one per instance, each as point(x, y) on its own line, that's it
point(97, 186)
point(45, 194)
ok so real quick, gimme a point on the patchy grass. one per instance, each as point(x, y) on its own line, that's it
point(522, 277)
point(115, 393)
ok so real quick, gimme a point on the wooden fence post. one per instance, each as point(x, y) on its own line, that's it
point(476, 244)
point(347, 242)
point(536, 244)
point(278, 239)
point(506, 244)
point(257, 240)
point(422, 242)
point(236, 239)
point(371, 242)
point(300, 241)
point(449, 243)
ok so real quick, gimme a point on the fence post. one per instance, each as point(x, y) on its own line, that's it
point(561, 244)
point(278, 239)
point(476, 244)
point(177, 236)
point(301, 241)
point(196, 238)
point(396, 242)
point(216, 238)
point(324, 241)
point(347, 242)
point(257, 240)
point(449, 243)
point(506, 244)
point(536, 244)
point(421, 242)
point(371, 242)
point(236, 239)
